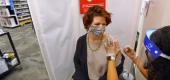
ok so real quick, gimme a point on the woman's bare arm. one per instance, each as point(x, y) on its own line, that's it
point(136, 60)
point(112, 73)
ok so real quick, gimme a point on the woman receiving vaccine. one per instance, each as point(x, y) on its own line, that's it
point(96, 48)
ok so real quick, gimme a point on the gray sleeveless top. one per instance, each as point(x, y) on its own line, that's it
point(97, 61)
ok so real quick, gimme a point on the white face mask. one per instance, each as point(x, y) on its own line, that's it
point(97, 31)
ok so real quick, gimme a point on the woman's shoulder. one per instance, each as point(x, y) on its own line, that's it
point(82, 38)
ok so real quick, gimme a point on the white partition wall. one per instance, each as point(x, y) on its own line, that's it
point(58, 25)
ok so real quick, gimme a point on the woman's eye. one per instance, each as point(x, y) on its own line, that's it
point(104, 24)
point(97, 24)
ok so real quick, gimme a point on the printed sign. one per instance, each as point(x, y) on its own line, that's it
point(85, 4)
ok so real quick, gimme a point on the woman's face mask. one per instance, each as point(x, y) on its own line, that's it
point(98, 25)
point(97, 31)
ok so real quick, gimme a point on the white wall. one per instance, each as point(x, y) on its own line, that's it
point(166, 16)
point(158, 14)
point(58, 24)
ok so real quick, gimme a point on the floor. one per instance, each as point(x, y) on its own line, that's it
point(32, 66)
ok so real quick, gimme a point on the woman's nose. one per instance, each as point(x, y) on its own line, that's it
point(101, 25)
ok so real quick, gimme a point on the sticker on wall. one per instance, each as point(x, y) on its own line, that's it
point(85, 4)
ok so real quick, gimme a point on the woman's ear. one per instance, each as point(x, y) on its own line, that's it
point(89, 28)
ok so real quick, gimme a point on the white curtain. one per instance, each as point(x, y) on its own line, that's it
point(58, 25)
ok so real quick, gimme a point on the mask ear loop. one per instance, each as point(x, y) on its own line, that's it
point(89, 30)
